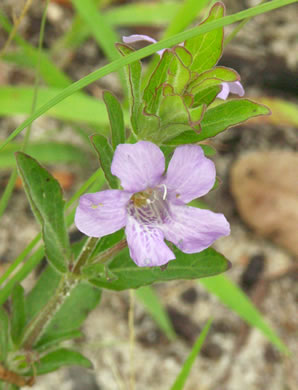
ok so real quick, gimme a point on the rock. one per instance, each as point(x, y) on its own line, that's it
point(265, 188)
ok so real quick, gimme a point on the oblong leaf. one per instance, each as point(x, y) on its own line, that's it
point(134, 74)
point(220, 118)
point(116, 118)
point(18, 319)
point(206, 49)
point(45, 197)
point(186, 266)
point(59, 358)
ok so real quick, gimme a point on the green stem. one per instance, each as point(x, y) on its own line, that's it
point(110, 253)
point(38, 325)
point(85, 254)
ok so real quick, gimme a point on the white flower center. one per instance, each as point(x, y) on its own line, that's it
point(149, 207)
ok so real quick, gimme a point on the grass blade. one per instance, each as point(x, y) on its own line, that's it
point(185, 371)
point(150, 300)
point(233, 297)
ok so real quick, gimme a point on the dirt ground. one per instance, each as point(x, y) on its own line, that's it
point(234, 356)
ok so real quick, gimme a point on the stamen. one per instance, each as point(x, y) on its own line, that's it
point(165, 192)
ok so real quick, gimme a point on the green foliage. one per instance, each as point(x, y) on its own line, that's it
point(206, 49)
point(232, 296)
point(59, 358)
point(186, 266)
point(116, 118)
point(45, 197)
point(4, 334)
point(105, 154)
point(18, 318)
point(185, 370)
point(220, 118)
point(67, 321)
point(151, 302)
point(133, 75)
point(82, 300)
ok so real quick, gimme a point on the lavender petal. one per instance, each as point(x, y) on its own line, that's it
point(138, 166)
point(102, 213)
point(146, 244)
point(193, 230)
point(190, 174)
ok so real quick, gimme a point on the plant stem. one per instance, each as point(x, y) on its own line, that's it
point(38, 325)
point(68, 282)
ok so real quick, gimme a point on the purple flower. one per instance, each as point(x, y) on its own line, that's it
point(227, 87)
point(151, 205)
point(230, 87)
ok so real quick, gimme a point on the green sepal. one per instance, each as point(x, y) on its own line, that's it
point(105, 154)
point(186, 266)
point(18, 319)
point(116, 118)
point(45, 196)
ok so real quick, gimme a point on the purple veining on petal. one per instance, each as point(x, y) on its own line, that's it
point(231, 87)
point(146, 244)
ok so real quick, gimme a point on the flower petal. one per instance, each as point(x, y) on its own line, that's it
point(139, 37)
point(193, 230)
point(190, 174)
point(102, 213)
point(146, 244)
point(138, 166)
point(230, 87)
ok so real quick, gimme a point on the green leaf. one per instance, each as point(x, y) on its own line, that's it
point(116, 118)
point(17, 100)
point(82, 300)
point(42, 291)
point(220, 118)
point(45, 152)
point(206, 49)
point(233, 297)
point(18, 320)
point(105, 154)
point(4, 334)
point(45, 197)
point(185, 371)
point(153, 91)
point(186, 266)
point(57, 338)
point(134, 74)
point(59, 358)
point(150, 300)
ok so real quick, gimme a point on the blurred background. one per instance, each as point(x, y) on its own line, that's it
point(257, 165)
